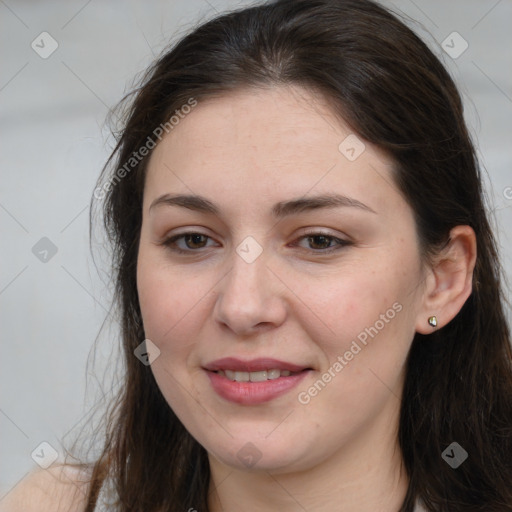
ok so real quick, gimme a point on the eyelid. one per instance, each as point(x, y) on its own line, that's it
point(320, 231)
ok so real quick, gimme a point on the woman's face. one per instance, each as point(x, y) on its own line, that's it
point(321, 299)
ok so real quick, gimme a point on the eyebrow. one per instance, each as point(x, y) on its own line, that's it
point(279, 210)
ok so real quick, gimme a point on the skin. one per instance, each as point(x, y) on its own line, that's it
point(245, 152)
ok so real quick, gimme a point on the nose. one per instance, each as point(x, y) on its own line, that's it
point(250, 297)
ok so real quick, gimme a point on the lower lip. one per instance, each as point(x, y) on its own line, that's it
point(251, 393)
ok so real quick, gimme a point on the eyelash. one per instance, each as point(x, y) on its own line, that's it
point(169, 242)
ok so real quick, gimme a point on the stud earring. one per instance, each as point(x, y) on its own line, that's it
point(432, 321)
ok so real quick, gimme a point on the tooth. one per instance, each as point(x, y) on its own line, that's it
point(230, 374)
point(242, 376)
point(258, 376)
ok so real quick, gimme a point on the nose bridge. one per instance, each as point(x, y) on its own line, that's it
point(248, 267)
point(246, 294)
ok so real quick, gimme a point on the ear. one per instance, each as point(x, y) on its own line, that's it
point(449, 280)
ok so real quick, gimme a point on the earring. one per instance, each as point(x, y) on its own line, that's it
point(432, 321)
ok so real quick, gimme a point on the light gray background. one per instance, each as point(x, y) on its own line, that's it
point(54, 143)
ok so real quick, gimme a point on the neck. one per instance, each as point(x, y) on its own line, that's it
point(366, 474)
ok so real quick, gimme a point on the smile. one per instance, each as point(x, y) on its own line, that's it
point(260, 376)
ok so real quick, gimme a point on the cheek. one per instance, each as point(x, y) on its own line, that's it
point(171, 304)
point(365, 317)
point(364, 349)
point(168, 299)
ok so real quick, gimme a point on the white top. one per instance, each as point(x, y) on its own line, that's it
point(419, 507)
point(103, 506)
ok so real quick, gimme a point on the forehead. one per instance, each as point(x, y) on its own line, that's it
point(258, 144)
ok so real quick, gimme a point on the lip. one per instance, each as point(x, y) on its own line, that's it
point(254, 365)
point(253, 393)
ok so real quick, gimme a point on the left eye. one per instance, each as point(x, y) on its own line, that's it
point(323, 240)
point(195, 241)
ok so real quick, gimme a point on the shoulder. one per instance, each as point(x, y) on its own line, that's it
point(60, 488)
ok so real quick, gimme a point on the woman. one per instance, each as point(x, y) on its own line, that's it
point(309, 287)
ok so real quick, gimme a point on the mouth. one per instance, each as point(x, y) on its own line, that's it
point(255, 381)
point(254, 370)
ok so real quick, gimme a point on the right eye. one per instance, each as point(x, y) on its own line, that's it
point(191, 240)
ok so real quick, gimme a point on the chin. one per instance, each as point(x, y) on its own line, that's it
point(254, 455)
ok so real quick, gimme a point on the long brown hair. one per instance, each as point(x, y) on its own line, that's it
point(394, 93)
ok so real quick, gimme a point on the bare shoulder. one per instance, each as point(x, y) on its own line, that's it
point(60, 488)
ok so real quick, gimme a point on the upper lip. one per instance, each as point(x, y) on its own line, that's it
point(254, 365)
